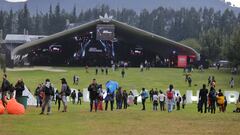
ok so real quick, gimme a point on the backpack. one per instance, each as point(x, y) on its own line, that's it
point(212, 94)
point(80, 94)
point(170, 95)
point(68, 91)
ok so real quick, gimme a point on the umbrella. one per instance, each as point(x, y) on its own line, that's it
point(112, 86)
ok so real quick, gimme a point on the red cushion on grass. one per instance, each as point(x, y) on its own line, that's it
point(13, 107)
point(2, 109)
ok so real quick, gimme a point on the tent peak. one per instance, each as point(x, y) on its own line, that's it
point(106, 18)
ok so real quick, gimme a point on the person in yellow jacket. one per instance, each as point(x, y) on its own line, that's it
point(220, 100)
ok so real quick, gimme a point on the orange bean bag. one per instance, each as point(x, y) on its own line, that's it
point(2, 109)
point(13, 107)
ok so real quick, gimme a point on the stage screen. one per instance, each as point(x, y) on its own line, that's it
point(182, 61)
point(105, 32)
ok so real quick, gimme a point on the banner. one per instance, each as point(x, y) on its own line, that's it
point(182, 61)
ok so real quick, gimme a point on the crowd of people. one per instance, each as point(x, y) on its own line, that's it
point(210, 99)
point(167, 100)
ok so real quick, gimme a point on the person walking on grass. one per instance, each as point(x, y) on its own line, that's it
point(109, 98)
point(73, 96)
point(189, 81)
point(212, 98)
point(220, 100)
point(170, 98)
point(183, 101)
point(155, 100)
point(93, 94)
point(162, 101)
point(151, 94)
point(203, 99)
point(79, 97)
point(178, 101)
point(5, 88)
point(48, 93)
point(125, 98)
point(231, 82)
point(19, 87)
point(58, 99)
point(123, 73)
point(144, 96)
point(37, 95)
point(119, 98)
point(65, 91)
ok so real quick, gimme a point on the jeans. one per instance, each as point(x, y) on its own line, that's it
point(47, 102)
point(95, 104)
point(203, 103)
point(106, 105)
point(170, 105)
point(119, 104)
point(125, 104)
point(162, 105)
point(143, 103)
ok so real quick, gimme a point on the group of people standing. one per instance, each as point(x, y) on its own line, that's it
point(45, 94)
point(159, 98)
point(8, 88)
point(209, 100)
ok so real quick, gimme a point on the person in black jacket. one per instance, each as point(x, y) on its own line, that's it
point(93, 94)
point(5, 89)
point(48, 92)
point(19, 87)
point(203, 98)
point(125, 98)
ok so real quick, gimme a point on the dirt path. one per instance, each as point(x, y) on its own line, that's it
point(50, 69)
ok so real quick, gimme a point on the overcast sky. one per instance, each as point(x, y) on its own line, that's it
point(234, 2)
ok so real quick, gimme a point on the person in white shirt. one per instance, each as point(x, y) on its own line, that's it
point(162, 101)
point(155, 100)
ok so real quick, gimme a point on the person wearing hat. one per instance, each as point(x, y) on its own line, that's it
point(93, 94)
point(48, 92)
point(63, 94)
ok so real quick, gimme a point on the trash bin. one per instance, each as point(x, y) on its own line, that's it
point(22, 100)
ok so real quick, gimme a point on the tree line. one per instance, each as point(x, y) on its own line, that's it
point(214, 34)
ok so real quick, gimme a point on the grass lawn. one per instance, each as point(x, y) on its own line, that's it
point(131, 121)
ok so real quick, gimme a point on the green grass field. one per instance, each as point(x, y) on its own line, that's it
point(79, 121)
